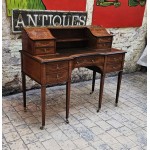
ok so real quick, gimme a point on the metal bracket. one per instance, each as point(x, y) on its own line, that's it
point(136, 3)
point(105, 3)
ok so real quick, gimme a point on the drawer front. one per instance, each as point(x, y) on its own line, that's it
point(104, 45)
point(56, 66)
point(104, 39)
point(44, 50)
point(44, 43)
point(115, 58)
point(57, 77)
point(89, 61)
point(113, 67)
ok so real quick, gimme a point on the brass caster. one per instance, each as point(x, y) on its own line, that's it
point(42, 127)
point(67, 121)
point(91, 92)
point(25, 109)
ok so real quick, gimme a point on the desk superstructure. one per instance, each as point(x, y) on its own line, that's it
point(49, 55)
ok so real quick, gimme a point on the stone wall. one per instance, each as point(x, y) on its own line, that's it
point(130, 39)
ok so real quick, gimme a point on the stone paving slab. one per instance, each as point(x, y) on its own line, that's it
point(113, 128)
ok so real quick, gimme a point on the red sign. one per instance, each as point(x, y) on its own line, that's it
point(121, 13)
point(65, 5)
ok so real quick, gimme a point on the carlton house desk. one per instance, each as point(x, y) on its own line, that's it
point(49, 54)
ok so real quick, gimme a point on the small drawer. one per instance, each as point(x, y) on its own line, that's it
point(113, 67)
point(104, 39)
point(56, 66)
point(44, 43)
point(115, 58)
point(104, 45)
point(44, 50)
point(57, 77)
point(89, 61)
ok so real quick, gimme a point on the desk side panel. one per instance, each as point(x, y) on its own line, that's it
point(114, 62)
point(31, 67)
point(26, 43)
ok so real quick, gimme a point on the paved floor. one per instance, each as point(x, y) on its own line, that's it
point(113, 128)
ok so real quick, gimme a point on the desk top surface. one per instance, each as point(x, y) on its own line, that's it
point(68, 54)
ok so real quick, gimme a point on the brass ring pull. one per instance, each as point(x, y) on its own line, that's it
point(92, 60)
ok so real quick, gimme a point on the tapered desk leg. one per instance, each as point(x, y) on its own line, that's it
point(118, 86)
point(24, 90)
point(43, 98)
point(67, 100)
point(101, 91)
point(93, 81)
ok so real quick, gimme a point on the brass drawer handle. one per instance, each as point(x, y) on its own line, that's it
point(92, 60)
point(57, 76)
point(77, 62)
point(115, 59)
point(57, 66)
point(45, 49)
point(114, 67)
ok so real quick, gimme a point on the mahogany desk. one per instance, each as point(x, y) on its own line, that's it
point(49, 55)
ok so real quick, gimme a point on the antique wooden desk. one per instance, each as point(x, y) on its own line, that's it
point(49, 55)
